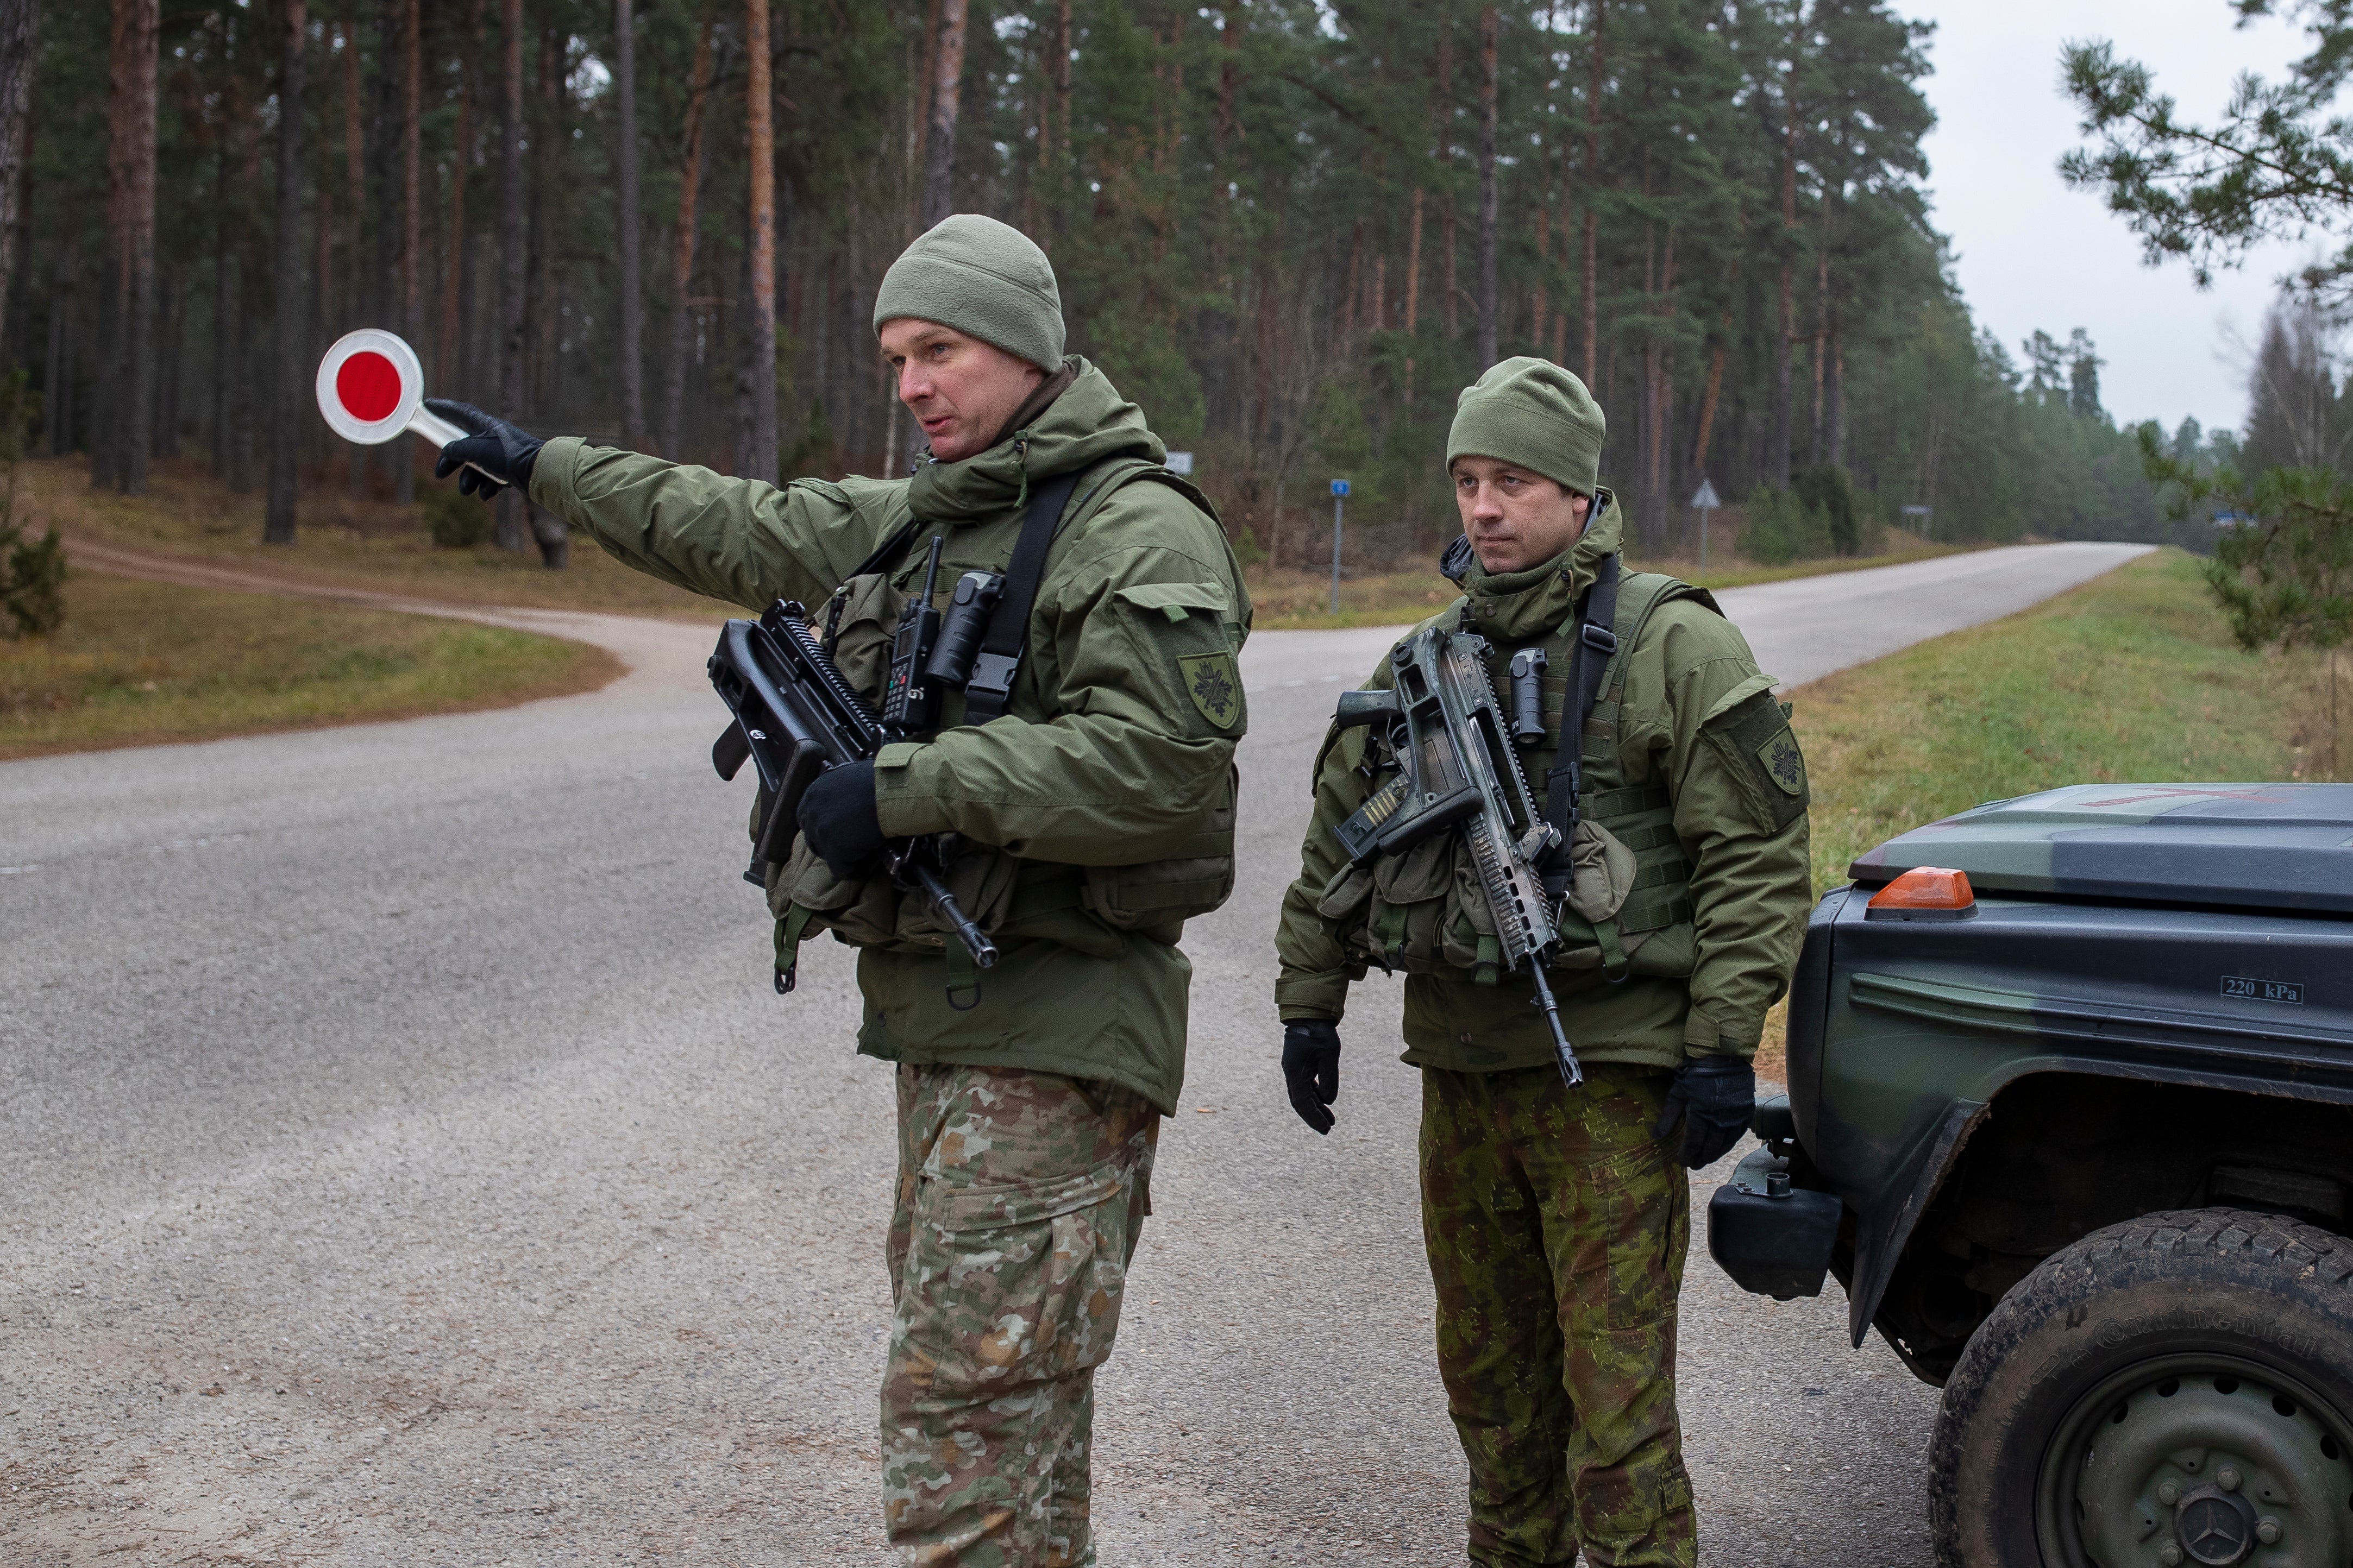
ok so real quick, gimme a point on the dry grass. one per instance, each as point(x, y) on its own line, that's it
point(139, 663)
point(367, 544)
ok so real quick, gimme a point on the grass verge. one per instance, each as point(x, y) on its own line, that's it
point(340, 542)
point(139, 663)
point(2129, 677)
point(1293, 600)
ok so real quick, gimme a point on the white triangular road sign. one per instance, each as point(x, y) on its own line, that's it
point(1707, 496)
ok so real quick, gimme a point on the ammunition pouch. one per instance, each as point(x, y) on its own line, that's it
point(1628, 908)
point(1090, 909)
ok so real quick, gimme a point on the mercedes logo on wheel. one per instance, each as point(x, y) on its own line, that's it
point(2215, 1527)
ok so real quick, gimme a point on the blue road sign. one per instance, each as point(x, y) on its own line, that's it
point(1339, 487)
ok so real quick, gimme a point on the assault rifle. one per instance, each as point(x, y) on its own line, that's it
point(796, 716)
point(1455, 763)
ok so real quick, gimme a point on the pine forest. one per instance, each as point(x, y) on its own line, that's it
point(1291, 229)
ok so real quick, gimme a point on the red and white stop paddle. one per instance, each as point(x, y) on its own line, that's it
point(372, 390)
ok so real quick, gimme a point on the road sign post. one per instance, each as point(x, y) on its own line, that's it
point(1921, 512)
point(1707, 501)
point(1339, 500)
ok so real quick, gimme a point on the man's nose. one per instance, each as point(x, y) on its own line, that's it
point(1484, 505)
point(913, 386)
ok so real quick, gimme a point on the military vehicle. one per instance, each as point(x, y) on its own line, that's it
point(2070, 1117)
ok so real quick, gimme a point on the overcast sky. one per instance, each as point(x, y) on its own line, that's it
point(2032, 253)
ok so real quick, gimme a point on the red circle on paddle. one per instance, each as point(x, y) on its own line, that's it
point(368, 385)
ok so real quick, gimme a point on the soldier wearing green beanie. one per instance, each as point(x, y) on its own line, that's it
point(1092, 813)
point(1555, 1219)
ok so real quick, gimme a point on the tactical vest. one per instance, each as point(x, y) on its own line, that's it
point(1089, 908)
point(1628, 908)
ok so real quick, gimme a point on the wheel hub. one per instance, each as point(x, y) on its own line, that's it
point(2214, 1527)
point(2188, 1462)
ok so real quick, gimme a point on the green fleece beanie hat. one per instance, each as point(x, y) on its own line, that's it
point(1534, 414)
point(983, 278)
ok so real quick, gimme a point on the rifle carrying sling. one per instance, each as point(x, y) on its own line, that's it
point(1595, 640)
point(998, 662)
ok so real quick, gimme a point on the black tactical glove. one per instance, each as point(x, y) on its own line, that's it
point(1712, 1098)
point(840, 819)
point(1311, 1066)
point(495, 456)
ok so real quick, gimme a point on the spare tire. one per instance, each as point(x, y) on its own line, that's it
point(2174, 1390)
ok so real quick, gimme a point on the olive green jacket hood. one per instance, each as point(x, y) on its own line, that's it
point(1524, 605)
point(1103, 759)
point(1088, 423)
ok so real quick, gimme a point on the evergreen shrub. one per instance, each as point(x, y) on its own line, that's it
point(457, 523)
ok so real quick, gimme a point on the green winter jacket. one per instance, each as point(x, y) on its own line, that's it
point(1109, 755)
point(1689, 681)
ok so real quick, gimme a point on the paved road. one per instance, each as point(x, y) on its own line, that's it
point(407, 1164)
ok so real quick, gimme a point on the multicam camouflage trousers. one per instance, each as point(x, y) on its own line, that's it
point(1021, 1195)
point(1556, 1226)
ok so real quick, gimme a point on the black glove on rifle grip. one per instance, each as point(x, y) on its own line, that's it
point(495, 456)
point(1713, 1098)
point(1310, 1068)
point(841, 820)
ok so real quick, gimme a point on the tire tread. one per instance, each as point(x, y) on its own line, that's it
point(2273, 1248)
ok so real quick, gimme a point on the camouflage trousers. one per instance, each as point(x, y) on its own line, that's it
point(1556, 1226)
point(1021, 1195)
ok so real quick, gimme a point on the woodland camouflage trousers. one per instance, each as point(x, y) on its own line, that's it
point(1021, 1195)
point(1556, 1226)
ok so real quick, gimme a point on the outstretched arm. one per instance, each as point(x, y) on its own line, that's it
point(743, 541)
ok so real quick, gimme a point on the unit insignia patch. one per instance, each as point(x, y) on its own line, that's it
point(1784, 764)
point(1214, 685)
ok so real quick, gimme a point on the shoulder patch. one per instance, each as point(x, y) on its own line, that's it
point(1784, 764)
point(1761, 752)
point(1215, 686)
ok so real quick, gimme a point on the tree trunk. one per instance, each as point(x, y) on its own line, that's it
point(171, 313)
point(355, 300)
point(682, 250)
point(1412, 290)
point(545, 308)
point(947, 90)
point(19, 28)
point(119, 453)
point(226, 332)
point(57, 391)
point(412, 223)
point(761, 130)
point(1708, 412)
point(447, 363)
point(288, 382)
point(412, 173)
point(1785, 327)
point(1449, 291)
point(1821, 334)
point(515, 240)
point(1490, 114)
point(1590, 282)
point(633, 303)
point(1837, 398)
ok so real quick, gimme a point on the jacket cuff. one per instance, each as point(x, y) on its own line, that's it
point(906, 808)
point(1301, 994)
point(552, 473)
point(1703, 1037)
